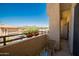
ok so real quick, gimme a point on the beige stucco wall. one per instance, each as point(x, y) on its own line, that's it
point(71, 28)
point(68, 14)
point(66, 11)
point(64, 23)
point(6, 31)
point(53, 10)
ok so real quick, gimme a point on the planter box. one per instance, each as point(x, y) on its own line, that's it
point(29, 35)
point(35, 34)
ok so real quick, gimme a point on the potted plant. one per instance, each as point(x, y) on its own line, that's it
point(28, 32)
point(31, 31)
point(35, 31)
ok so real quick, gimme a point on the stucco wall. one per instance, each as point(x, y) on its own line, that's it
point(71, 23)
point(71, 28)
point(32, 46)
point(53, 10)
point(64, 23)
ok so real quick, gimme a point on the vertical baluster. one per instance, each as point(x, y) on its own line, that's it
point(4, 40)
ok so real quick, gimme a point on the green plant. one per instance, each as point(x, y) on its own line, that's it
point(30, 29)
point(34, 29)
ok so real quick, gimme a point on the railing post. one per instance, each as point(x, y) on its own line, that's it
point(4, 40)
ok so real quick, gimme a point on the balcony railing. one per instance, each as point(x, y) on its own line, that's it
point(5, 41)
point(27, 46)
point(4, 38)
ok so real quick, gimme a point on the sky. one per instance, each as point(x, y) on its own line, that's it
point(23, 14)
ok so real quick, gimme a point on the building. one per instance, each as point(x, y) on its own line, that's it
point(6, 29)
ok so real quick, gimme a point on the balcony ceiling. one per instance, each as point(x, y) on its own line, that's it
point(65, 6)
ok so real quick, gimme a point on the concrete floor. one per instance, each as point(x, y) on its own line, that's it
point(64, 51)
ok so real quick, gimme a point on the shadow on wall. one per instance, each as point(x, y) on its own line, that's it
point(65, 17)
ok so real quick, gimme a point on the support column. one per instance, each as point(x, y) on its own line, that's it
point(53, 10)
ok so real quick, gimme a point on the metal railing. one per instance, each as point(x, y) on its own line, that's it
point(5, 41)
point(13, 39)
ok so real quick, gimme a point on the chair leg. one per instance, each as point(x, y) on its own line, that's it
point(51, 52)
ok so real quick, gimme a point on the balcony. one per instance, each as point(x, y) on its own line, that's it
point(24, 46)
point(35, 45)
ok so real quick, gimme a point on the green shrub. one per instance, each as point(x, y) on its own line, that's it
point(30, 29)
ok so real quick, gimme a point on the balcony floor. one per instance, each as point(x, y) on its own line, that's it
point(64, 51)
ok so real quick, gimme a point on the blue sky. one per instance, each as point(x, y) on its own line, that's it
point(23, 14)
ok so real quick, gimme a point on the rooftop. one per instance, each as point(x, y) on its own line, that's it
point(7, 26)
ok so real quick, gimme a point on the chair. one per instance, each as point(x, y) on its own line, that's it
point(50, 47)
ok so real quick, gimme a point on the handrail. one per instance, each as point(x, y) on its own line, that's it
point(4, 38)
point(10, 35)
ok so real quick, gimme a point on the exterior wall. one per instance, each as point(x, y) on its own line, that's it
point(31, 46)
point(65, 23)
point(0, 31)
point(71, 25)
point(6, 31)
point(53, 10)
point(71, 28)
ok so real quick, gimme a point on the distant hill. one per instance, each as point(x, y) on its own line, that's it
point(33, 26)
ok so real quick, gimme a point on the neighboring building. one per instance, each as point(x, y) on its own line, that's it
point(6, 29)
